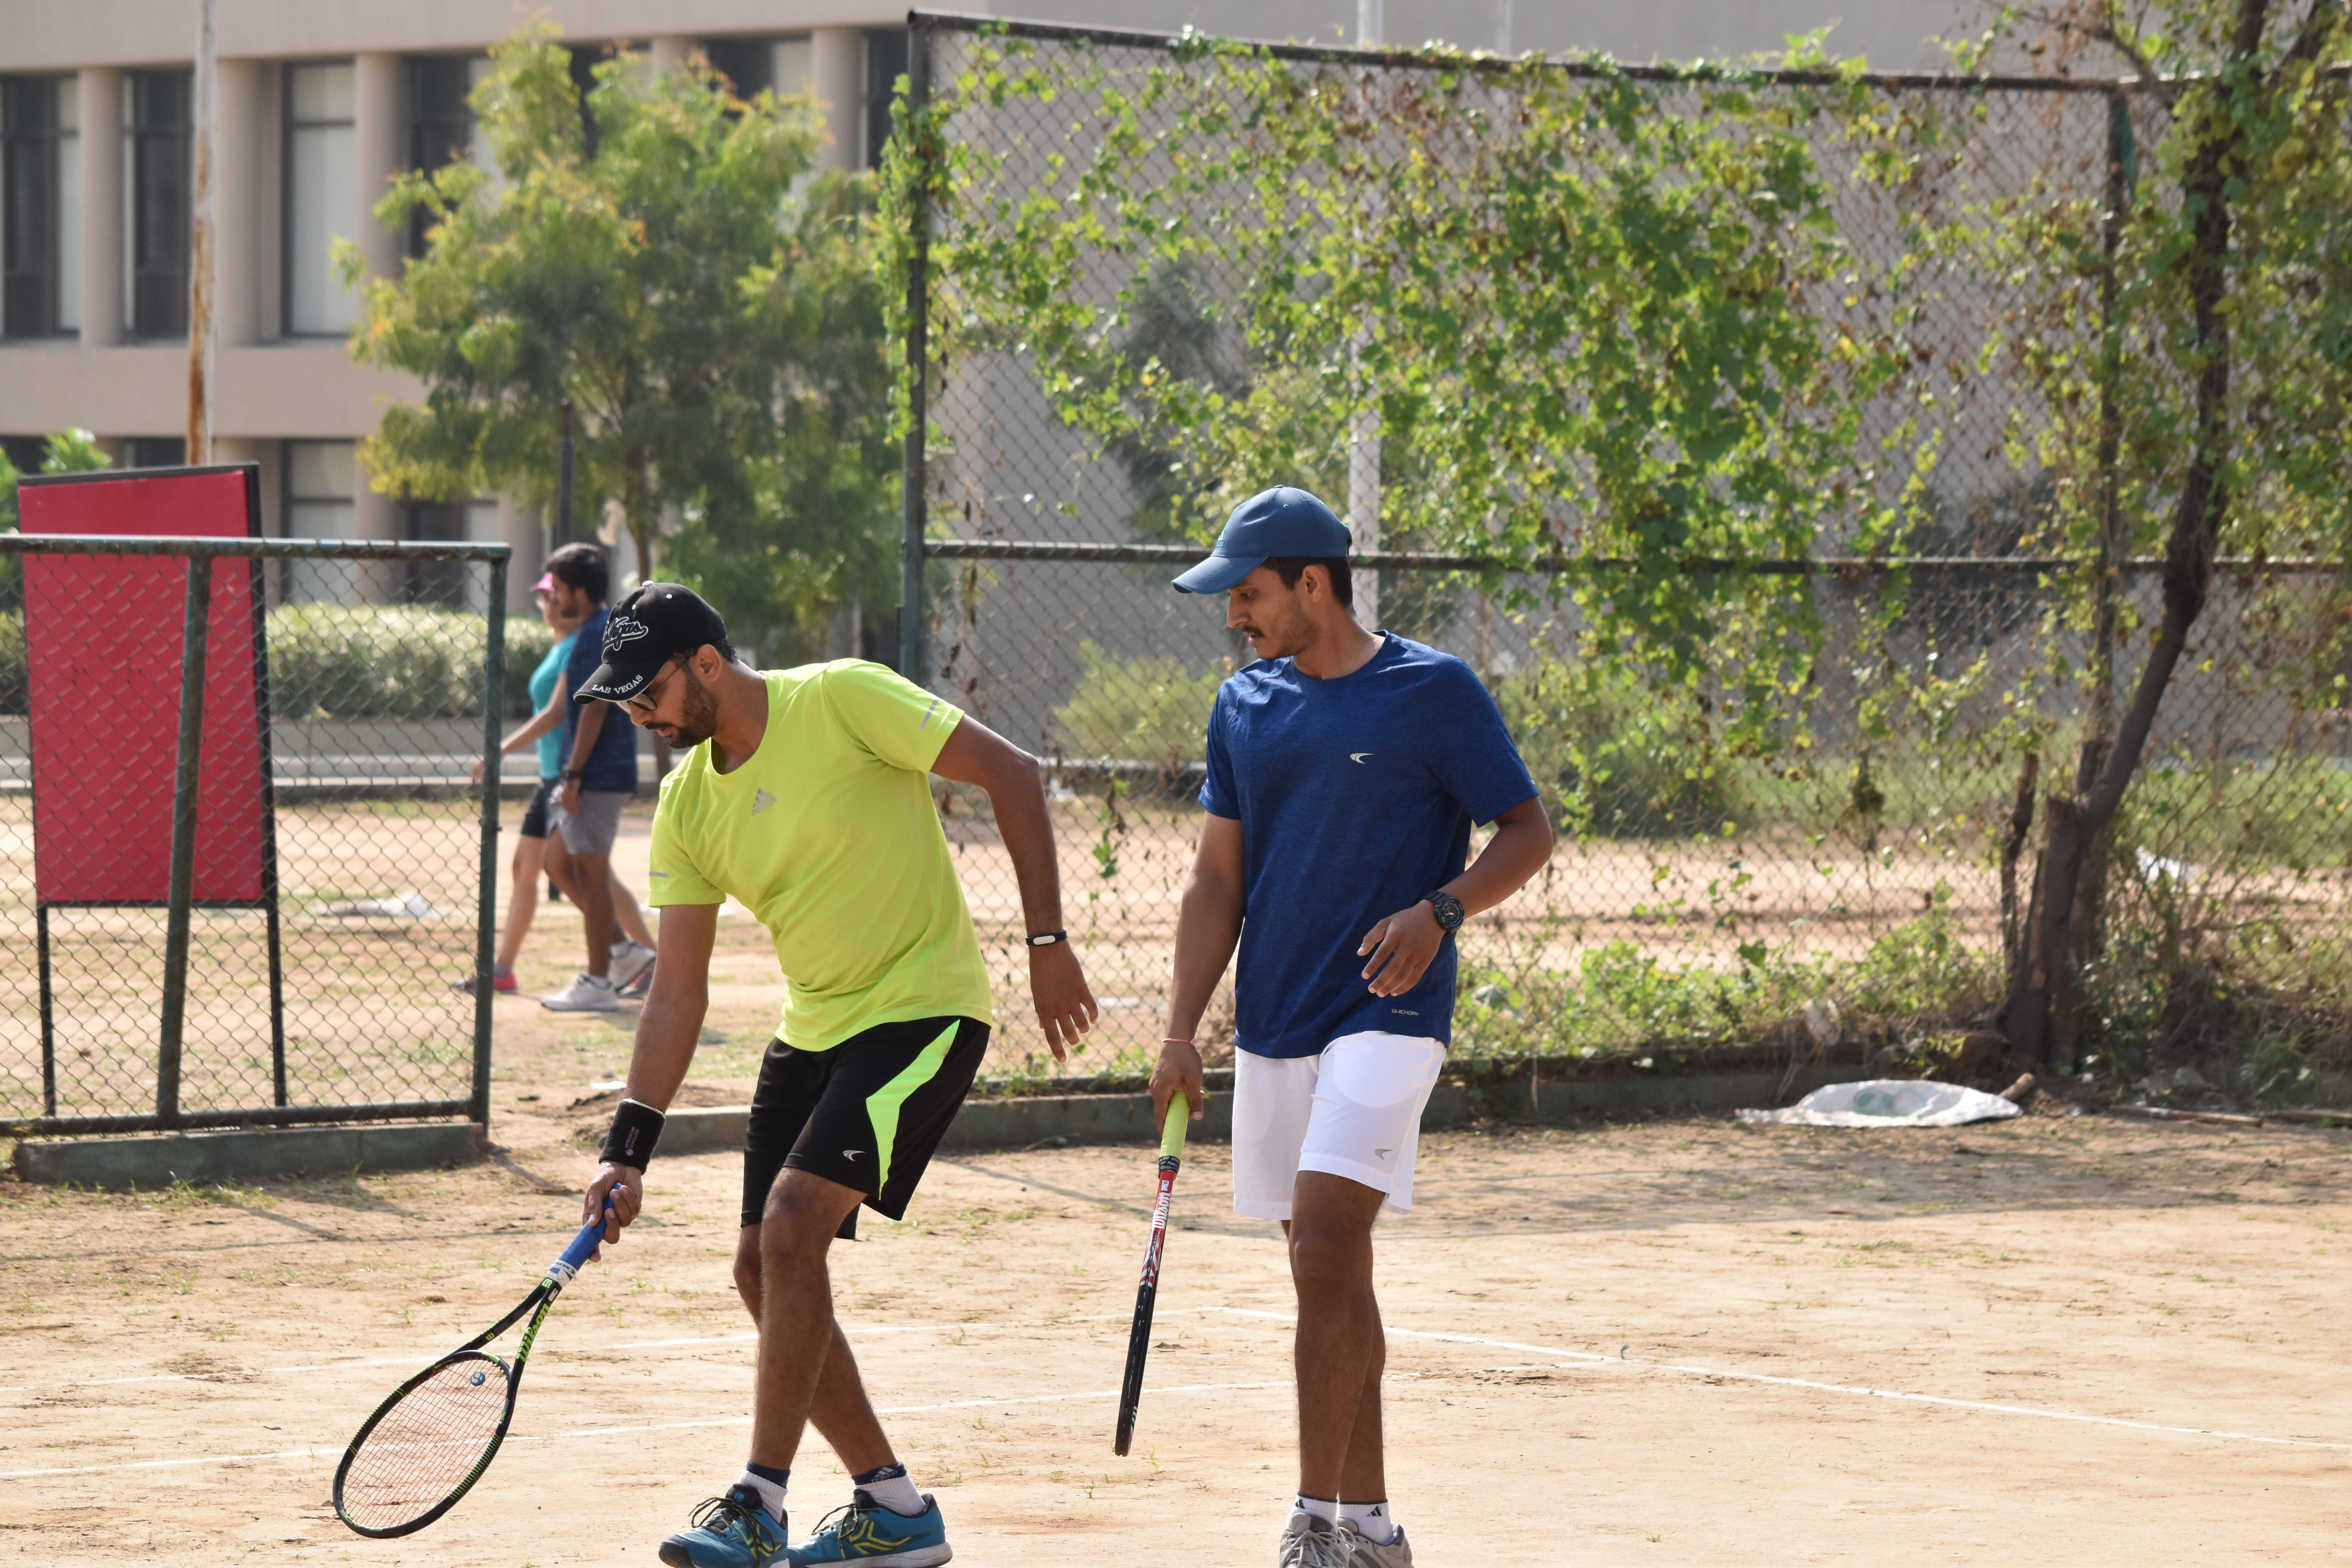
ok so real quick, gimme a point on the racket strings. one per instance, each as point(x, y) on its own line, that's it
point(427, 1444)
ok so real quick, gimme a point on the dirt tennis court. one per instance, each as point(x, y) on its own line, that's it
point(1646, 1344)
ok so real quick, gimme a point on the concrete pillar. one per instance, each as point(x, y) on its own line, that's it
point(236, 209)
point(522, 529)
point(375, 515)
point(102, 207)
point(838, 79)
point(376, 133)
point(664, 54)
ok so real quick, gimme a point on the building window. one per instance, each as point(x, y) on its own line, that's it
point(752, 66)
point(436, 93)
point(41, 206)
point(584, 59)
point(154, 451)
point(321, 484)
point(886, 62)
point(156, 143)
point(321, 194)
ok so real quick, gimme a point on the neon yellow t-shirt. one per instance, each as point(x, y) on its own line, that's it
point(828, 834)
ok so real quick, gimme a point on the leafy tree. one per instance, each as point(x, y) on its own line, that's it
point(1604, 315)
point(2207, 418)
point(1595, 327)
point(666, 255)
point(70, 451)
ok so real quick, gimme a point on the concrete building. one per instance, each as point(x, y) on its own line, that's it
point(320, 102)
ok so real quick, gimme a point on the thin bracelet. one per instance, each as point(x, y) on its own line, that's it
point(1177, 1040)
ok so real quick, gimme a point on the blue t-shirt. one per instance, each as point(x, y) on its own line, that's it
point(613, 761)
point(542, 686)
point(1356, 797)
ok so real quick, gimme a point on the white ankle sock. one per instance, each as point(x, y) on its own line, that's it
point(771, 1493)
point(1371, 1520)
point(895, 1492)
point(1325, 1508)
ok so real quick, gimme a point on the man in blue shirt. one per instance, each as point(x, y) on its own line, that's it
point(600, 778)
point(1345, 772)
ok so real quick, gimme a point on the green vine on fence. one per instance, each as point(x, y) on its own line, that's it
point(1617, 318)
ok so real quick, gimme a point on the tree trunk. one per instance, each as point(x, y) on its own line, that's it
point(2089, 922)
point(638, 511)
point(2042, 1018)
point(2013, 847)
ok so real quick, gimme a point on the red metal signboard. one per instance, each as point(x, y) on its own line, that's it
point(103, 640)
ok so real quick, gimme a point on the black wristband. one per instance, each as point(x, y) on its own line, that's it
point(1048, 937)
point(637, 1126)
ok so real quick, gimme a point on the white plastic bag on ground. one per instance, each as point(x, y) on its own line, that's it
point(1890, 1103)
point(399, 907)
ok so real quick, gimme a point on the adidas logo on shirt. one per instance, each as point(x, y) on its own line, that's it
point(761, 801)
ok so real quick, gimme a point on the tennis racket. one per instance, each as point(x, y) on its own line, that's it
point(1139, 1338)
point(426, 1445)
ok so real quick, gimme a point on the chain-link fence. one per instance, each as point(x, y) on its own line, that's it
point(1135, 299)
point(237, 888)
point(1872, 868)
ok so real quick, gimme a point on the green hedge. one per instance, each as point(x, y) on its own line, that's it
point(12, 661)
point(360, 661)
point(391, 661)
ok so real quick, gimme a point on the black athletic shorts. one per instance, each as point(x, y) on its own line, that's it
point(534, 813)
point(868, 1113)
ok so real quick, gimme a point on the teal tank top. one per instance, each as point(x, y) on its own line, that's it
point(542, 686)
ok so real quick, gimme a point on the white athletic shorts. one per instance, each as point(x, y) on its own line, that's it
point(1354, 1111)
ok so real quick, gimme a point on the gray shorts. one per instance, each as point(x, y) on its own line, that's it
point(593, 830)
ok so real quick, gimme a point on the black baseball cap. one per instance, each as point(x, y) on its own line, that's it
point(653, 625)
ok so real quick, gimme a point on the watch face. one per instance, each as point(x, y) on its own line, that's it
point(1448, 909)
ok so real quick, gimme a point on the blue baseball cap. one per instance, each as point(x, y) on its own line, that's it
point(1283, 520)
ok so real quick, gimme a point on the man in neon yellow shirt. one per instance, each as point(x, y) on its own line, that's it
point(803, 794)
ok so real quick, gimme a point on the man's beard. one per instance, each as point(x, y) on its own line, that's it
point(1287, 634)
point(702, 720)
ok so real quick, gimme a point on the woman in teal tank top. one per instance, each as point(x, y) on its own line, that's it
point(548, 700)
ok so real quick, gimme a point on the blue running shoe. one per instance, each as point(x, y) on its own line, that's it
point(731, 1532)
point(869, 1533)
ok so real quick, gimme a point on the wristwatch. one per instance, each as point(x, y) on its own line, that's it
point(1448, 909)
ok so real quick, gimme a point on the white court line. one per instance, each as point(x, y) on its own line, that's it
point(1587, 1357)
point(313, 1452)
point(1569, 1357)
point(423, 1358)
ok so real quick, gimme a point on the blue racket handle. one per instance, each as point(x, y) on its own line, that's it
point(582, 1247)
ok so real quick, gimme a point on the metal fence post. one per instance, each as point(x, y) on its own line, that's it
point(494, 680)
point(911, 661)
point(197, 633)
